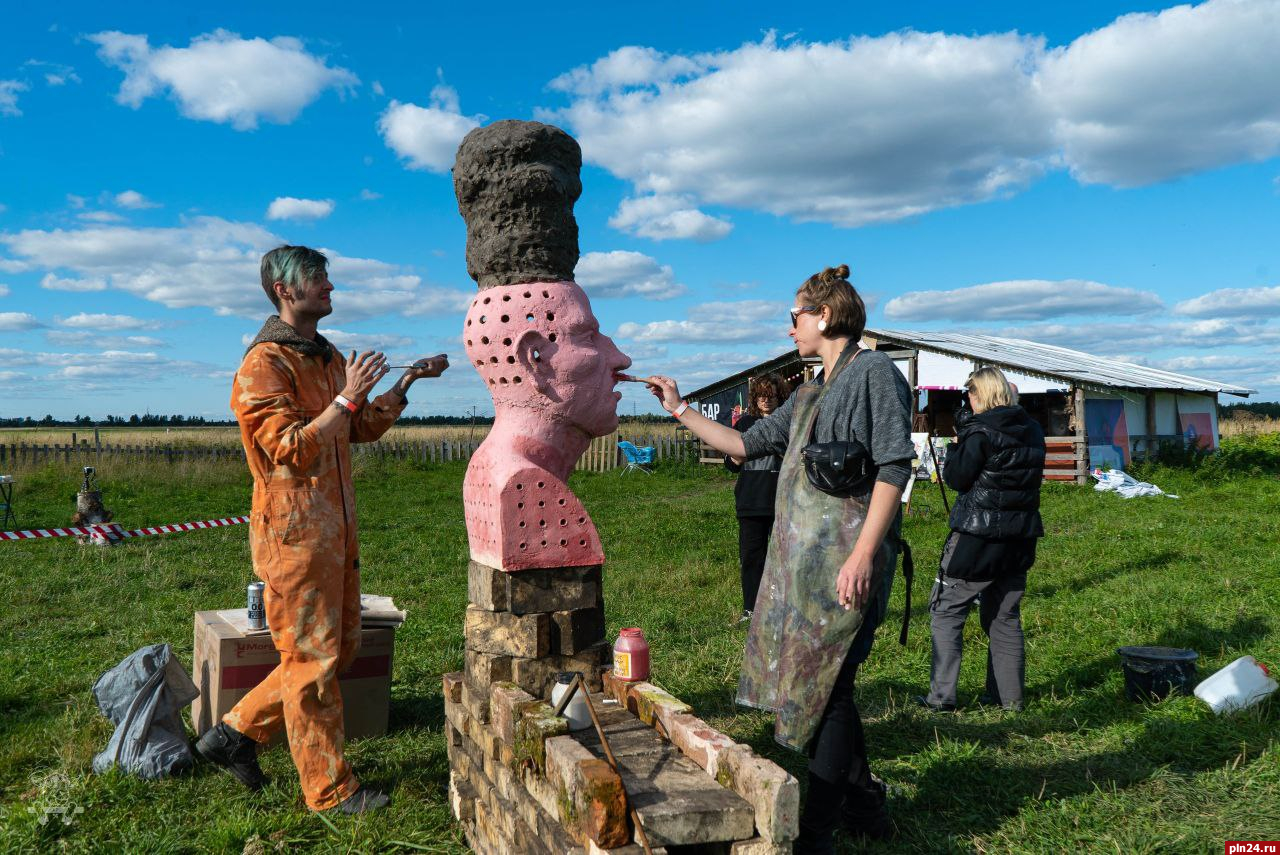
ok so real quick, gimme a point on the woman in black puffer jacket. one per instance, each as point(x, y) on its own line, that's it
point(997, 466)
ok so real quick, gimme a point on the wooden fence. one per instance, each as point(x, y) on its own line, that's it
point(601, 456)
point(1066, 458)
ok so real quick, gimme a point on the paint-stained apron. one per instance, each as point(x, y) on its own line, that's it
point(800, 634)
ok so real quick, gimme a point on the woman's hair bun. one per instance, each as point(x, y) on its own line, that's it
point(835, 274)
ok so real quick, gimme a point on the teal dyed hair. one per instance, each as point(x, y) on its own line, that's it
point(292, 265)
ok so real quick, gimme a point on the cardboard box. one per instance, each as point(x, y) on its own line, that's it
point(228, 663)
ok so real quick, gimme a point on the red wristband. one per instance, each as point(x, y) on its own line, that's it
point(345, 403)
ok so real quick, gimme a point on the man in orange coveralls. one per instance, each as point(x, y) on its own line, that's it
point(300, 404)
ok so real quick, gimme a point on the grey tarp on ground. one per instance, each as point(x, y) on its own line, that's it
point(144, 696)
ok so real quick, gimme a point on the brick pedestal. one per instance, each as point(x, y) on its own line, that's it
point(521, 783)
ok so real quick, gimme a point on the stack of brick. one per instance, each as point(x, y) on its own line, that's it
point(520, 783)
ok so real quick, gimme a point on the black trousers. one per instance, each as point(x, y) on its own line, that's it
point(838, 751)
point(753, 547)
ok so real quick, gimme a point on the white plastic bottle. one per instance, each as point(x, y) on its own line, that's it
point(576, 710)
point(1241, 684)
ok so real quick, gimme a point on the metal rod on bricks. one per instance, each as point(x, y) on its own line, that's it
point(608, 752)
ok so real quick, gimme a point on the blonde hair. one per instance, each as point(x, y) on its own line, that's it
point(992, 388)
point(831, 288)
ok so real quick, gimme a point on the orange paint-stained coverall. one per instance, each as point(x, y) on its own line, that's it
point(302, 533)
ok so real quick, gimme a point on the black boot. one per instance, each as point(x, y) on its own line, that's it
point(362, 800)
point(819, 818)
point(866, 811)
point(232, 750)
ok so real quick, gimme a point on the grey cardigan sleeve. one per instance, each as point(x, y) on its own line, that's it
point(769, 435)
point(890, 404)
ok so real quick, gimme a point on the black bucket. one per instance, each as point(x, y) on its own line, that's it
point(1151, 673)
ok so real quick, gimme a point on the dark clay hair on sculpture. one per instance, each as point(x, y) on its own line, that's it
point(516, 184)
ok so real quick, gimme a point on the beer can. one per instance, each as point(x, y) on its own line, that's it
point(257, 608)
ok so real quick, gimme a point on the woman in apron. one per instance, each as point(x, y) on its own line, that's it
point(830, 567)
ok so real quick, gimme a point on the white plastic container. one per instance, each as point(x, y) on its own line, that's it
point(1239, 685)
point(576, 710)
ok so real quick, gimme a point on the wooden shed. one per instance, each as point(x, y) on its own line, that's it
point(1095, 411)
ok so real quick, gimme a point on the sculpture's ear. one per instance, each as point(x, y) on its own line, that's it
point(531, 355)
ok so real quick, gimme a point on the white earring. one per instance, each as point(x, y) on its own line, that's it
point(822, 326)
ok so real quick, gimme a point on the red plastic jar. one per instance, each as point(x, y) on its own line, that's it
point(631, 655)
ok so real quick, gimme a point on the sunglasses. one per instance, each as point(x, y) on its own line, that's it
point(800, 310)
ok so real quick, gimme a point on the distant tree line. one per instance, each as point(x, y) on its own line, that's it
point(1259, 409)
point(134, 420)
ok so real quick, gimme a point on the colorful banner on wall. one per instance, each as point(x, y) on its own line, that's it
point(1195, 422)
point(1108, 433)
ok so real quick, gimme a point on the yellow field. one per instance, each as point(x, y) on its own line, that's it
point(205, 437)
point(1248, 423)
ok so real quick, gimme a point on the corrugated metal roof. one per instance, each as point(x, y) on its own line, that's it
point(1054, 363)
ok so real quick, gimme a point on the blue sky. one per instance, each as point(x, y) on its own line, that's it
point(1100, 176)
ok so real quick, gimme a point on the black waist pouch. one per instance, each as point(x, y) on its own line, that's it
point(840, 469)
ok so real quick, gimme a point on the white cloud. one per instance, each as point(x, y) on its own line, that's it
point(223, 78)
point(1233, 302)
point(134, 201)
point(4, 290)
point(621, 273)
point(699, 369)
point(668, 217)
point(1240, 365)
point(100, 217)
point(55, 73)
point(1152, 96)
point(741, 311)
point(206, 262)
point(290, 208)
point(437, 301)
point(211, 262)
point(53, 283)
point(70, 338)
point(850, 132)
point(91, 321)
point(1021, 299)
point(1129, 338)
point(878, 128)
point(118, 368)
point(745, 320)
point(427, 137)
point(18, 321)
point(623, 68)
point(361, 342)
point(75, 201)
point(9, 90)
point(368, 195)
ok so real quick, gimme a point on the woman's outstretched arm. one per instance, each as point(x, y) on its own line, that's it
point(722, 438)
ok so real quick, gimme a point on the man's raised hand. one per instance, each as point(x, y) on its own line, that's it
point(363, 374)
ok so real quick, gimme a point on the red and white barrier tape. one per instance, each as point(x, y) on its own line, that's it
point(115, 531)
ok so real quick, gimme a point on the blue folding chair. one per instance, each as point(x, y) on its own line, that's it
point(637, 458)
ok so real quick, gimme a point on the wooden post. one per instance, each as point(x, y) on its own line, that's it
point(1082, 440)
point(1151, 425)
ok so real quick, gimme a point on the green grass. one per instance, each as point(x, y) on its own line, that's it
point(1080, 769)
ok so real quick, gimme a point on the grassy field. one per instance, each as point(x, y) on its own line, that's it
point(1082, 769)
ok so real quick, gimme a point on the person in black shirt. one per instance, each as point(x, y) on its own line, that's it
point(754, 493)
point(996, 467)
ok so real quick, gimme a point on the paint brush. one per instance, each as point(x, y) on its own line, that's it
point(628, 378)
